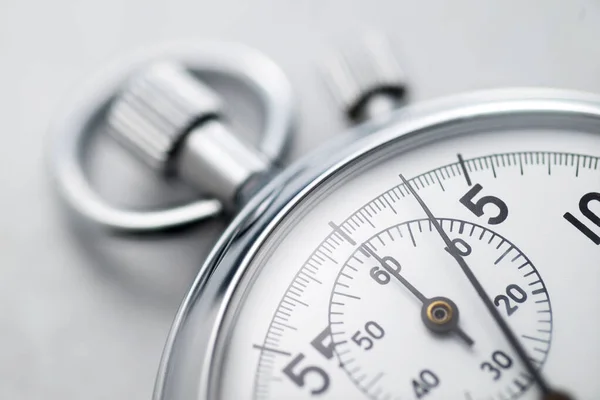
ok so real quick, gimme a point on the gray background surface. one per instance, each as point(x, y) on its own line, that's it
point(85, 315)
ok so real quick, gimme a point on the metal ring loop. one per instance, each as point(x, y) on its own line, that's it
point(70, 132)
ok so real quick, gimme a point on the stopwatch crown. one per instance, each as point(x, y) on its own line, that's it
point(171, 120)
point(157, 107)
point(366, 80)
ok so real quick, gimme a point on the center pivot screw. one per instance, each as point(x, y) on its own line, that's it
point(440, 315)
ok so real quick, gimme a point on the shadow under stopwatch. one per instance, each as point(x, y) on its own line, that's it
point(153, 271)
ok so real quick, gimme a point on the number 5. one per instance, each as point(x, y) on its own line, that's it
point(477, 208)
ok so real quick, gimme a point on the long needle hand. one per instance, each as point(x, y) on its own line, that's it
point(508, 333)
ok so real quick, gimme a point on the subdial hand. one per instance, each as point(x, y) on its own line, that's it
point(439, 314)
point(547, 392)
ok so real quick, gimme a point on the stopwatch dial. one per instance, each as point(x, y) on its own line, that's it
point(354, 294)
point(374, 317)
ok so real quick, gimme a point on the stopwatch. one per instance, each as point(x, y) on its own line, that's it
point(444, 250)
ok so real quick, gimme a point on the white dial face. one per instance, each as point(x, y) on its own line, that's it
point(475, 279)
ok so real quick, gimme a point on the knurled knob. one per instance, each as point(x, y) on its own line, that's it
point(156, 108)
point(357, 75)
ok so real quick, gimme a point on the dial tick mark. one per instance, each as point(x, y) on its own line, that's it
point(263, 348)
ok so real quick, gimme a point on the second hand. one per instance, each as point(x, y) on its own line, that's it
point(506, 330)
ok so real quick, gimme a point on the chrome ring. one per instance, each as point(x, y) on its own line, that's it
point(70, 132)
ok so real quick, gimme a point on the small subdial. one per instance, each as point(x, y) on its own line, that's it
point(407, 324)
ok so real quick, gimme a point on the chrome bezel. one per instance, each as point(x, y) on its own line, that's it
point(193, 353)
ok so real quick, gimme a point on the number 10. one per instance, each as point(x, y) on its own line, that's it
point(584, 207)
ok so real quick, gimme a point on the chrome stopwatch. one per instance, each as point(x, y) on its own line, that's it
point(449, 250)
